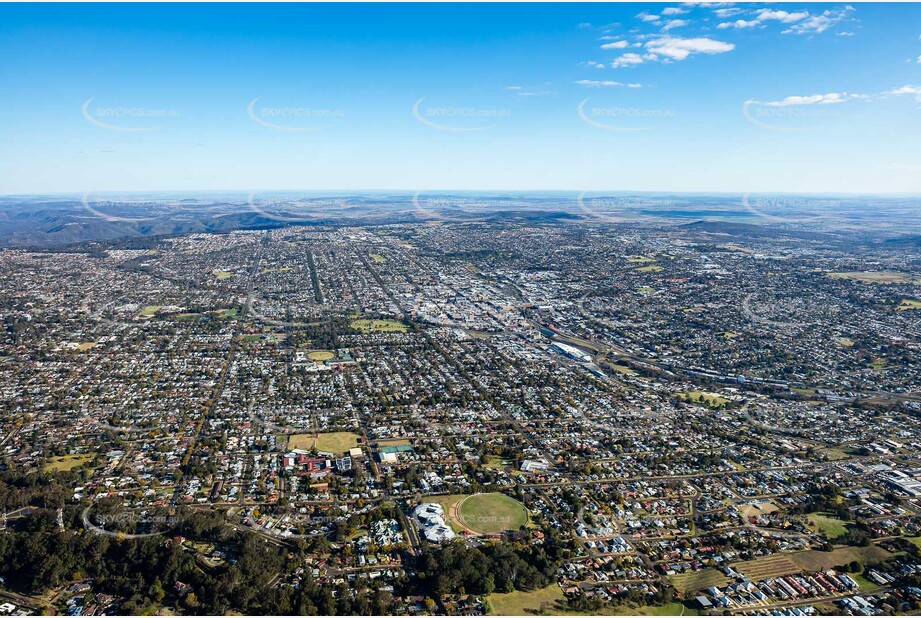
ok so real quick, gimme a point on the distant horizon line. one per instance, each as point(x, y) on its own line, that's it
point(411, 192)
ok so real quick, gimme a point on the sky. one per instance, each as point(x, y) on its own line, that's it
point(703, 97)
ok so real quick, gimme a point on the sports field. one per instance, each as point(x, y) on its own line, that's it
point(320, 355)
point(491, 513)
point(335, 442)
point(482, 513)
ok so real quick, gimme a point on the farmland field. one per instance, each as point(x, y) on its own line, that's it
point(875, 277)
point(550, 601)
point(698, 580)
point(769, 566)
point(820, 560)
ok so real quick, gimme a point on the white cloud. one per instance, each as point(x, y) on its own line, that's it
point(615, 45)
point(814, 99)
point(595, 65)
point(674, 23)
point(673, 10)
point(783, 17)
point(919, 59)
point(678, 48)
point(739, 24)
point(626, 60)
point(832, 98)
point(910, 90)
point(594, 83)
point(513, 87)
point(816, 24)
point(724, 13)
point(647, 17)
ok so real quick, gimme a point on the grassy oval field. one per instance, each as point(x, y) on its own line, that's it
point(491, 513)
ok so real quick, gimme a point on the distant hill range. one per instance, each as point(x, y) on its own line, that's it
point(750, 230)
point(47, 221)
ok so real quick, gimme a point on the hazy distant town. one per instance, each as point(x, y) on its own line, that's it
point(462, 407)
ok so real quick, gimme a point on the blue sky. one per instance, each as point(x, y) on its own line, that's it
point(703, 97)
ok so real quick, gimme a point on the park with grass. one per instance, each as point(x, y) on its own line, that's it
point(378, 326)
point(333, 442)
point(827, 525)
point(67, 463)
point(711, 400)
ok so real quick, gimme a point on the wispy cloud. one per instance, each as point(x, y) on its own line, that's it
point(606, 83)
point(674, 23)
point(816, 24)
point(615, 45)
point(724, 13)
point(799, 22)
point(813, 99)
point(832, 98)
